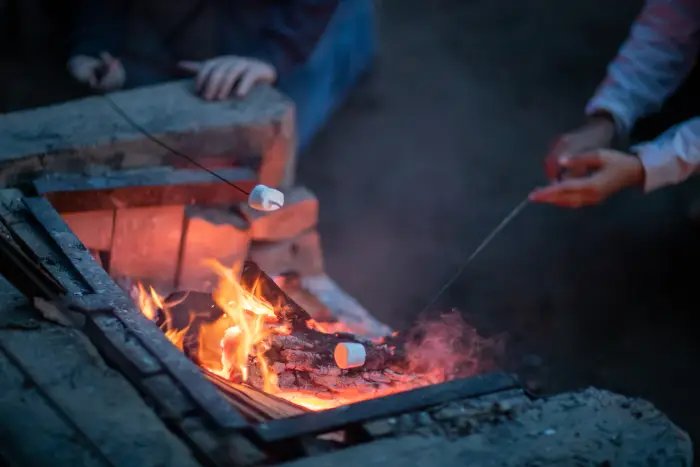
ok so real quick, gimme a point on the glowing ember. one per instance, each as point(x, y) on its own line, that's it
point(235, 347)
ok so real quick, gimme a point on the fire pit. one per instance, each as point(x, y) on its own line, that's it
point(223, 366)
point(250, 332)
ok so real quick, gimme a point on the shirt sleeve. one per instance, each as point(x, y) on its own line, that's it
point(292, 30)
point(673, 160)
point(100, 27)
point(652, 63)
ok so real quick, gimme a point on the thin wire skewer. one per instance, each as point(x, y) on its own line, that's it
point(506, 220)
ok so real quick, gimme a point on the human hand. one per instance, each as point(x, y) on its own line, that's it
point(104, 74)
point(599, 174)
point(218, 77)
point(597, 133)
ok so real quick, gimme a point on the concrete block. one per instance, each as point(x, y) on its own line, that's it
point(211, 233)
point(80, 135)
point(299, 214)
point(146, 245)
point(158, 186)
point(302, 255)
point(93, 228)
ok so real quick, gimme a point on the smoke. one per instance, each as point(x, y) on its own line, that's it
point(447, 347)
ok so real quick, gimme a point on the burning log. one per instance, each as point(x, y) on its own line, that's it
point(253, 335)
point(297, 354)
point(306, 362)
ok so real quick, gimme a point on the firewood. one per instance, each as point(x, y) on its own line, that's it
point(300, 356)
point(253, 404)
point(254, 278)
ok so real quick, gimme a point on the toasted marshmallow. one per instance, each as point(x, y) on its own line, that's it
point(264, 198)
point(349, 355)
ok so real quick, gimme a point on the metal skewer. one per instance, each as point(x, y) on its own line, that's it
point(506, 220)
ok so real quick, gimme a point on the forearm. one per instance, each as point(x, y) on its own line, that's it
point(292, 30)
point(99, 27)
point(652, 63)
point(673, 160)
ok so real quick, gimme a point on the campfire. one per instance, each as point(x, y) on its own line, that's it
point(250, 336)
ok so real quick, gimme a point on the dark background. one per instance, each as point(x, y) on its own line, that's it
point(443, 139)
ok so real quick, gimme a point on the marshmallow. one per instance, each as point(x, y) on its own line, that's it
point(349, 355)
point(264, 198)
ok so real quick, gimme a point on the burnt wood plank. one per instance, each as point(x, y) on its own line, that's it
point(108, 297)
point(34, 239)
point(188, 375)
point(69, 246)
point(384, 407)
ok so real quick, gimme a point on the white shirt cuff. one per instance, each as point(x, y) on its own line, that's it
point(662, 166)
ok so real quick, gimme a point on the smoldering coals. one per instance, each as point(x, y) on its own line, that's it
point(447, 347)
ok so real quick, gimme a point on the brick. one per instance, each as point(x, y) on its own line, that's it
point(302, 255)
point(93, 228)
point(299, 214)
point(146, 244)
point(278, 168)
point(211, 233)
point(73, 136)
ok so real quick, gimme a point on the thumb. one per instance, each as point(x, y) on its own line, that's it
point(191, 66)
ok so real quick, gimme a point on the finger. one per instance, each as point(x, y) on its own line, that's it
point(570, 199)
point(575, 192)
point(580, 166)
point(248, 80)
point(216, 81)
point(190, 66)
point(203, 75)
point(552, 168)
point(589, 160)
point(233, 75)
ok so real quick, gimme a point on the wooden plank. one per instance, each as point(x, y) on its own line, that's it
point(96, 401)
point(256, 403)
point(132, 329)
point(69, 246)
point(34, 239)
point(384, 407)
point(187, 374)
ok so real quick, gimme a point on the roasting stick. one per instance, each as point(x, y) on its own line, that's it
point(504, 223)
point(261, 197)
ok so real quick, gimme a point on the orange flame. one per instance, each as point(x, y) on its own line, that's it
point(230, 345)
point(241, 332)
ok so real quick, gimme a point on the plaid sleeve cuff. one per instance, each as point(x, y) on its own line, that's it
point(624, 121)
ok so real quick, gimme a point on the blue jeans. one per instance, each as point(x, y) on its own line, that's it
point(320, 85)
point(344, 53)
